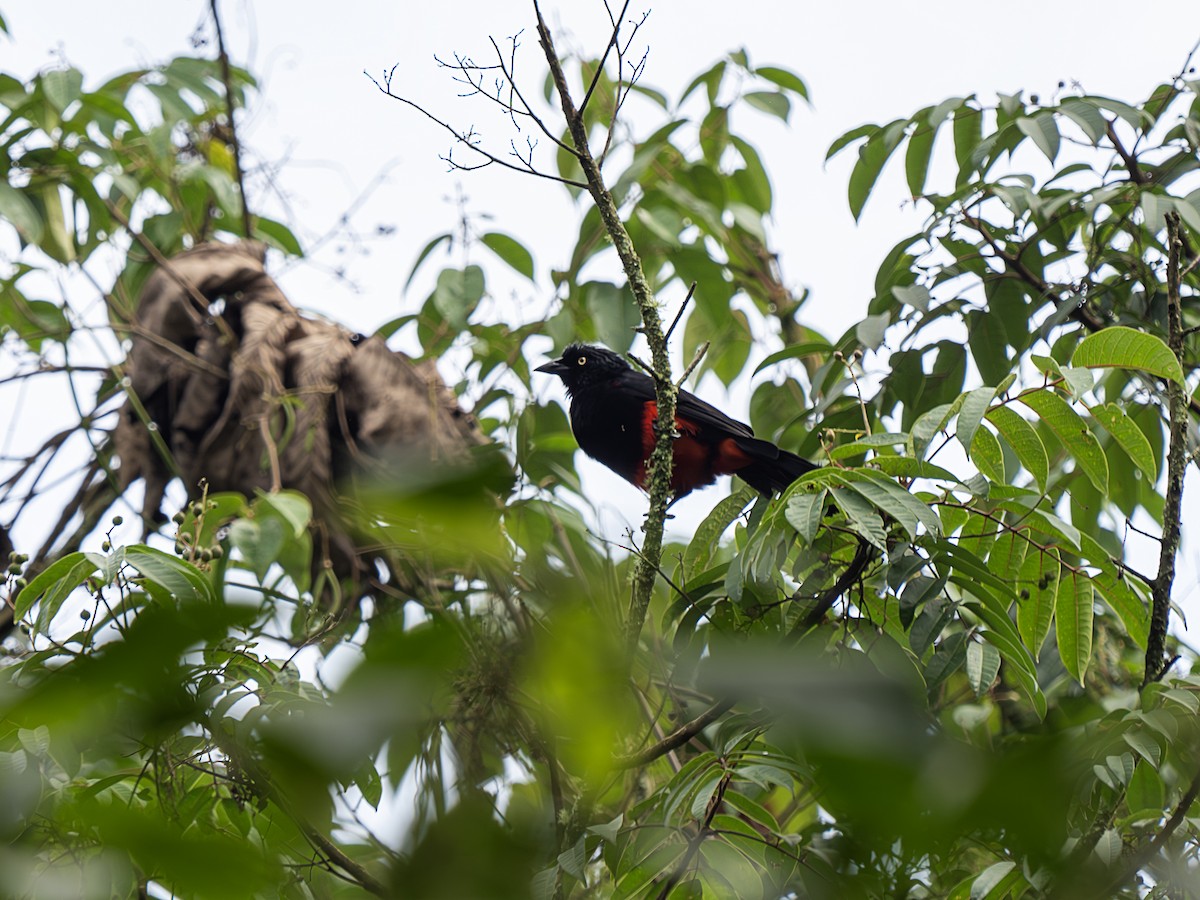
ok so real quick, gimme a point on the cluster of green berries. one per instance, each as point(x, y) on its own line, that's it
point(16, 565)
point(184, 542)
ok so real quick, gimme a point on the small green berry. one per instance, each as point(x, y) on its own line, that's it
point(118, 520)
point(217, 551)
point(106, 546)
point(178, 518)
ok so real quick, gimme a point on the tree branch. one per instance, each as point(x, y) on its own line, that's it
point(659, 464)
point(1160, 609)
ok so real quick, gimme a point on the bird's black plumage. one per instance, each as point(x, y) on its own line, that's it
point(613, 411)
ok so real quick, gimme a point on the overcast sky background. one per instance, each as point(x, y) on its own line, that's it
point(334, 134)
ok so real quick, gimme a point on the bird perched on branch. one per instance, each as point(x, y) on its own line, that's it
point(613, 413)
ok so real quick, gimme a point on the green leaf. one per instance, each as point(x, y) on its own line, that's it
point(62, 87)
point(1003, 636)
point(54, 584)
point(796, 351)
point(894, 499)
point(700, 549)
point(774, 102)
point(457, 294)
point(292, 506)
point(870, 331)
point(968, 130)
point(1073, 612)
point(754, 811)
point(916, 160)
point(987, 455)
point(983, 662)
point(609, 830)
point(970, 414)
point(1135, 118)
point(511, 251)
point(753, 180)
point(862, 517)
point(181, 578)
point(21, 212)
point(259, 542)
point(1131, 438)
point(614, 313)
point(1043, 129)
point(277, 235)
point(1038, 582)
point(425, 251)
point(907, 467)
point(914, 295)
point(1008, 555)
point(785, 78)
point(996, 881)
point(1086, 116)
point(1024, 440)
point(872, 157)
point(1128, 348)
point(1074, 434)
point(1129, 607)
point(804, 512)
point(850, 137)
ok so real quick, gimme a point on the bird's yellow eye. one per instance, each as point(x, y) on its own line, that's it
point(581, 360)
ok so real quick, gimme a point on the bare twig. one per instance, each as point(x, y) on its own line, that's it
point(676, 738)
point(234, 144)
point(679, 315)
point(468, 139)
point(613, 41)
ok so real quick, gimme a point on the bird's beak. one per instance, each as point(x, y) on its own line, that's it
point(554, 367)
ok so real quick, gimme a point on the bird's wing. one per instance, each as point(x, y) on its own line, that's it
point(688, 406)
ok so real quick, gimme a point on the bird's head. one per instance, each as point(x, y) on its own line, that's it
point(582, 366)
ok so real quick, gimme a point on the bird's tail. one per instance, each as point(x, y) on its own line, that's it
point(771, 469)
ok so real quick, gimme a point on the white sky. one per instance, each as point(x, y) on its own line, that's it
point(867, 61)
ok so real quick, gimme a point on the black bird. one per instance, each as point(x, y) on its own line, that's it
point(613, 412)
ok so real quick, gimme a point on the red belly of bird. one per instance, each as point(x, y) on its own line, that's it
point(694, 462)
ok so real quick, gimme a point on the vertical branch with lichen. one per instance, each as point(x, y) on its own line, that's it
point(1156, 654)
point(659, 465)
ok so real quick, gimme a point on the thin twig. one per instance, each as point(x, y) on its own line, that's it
point(468, 139)
point(679, 315)
point(612, 42)
point(234, 144)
